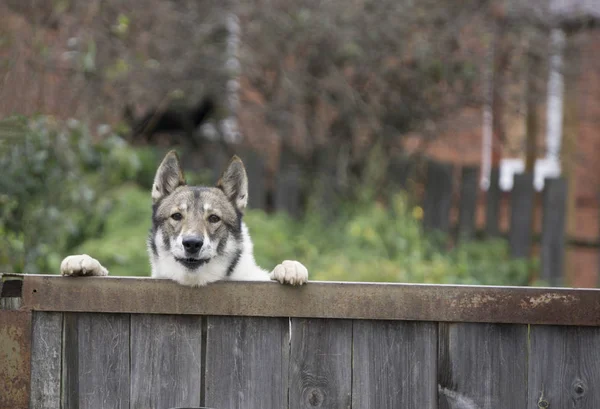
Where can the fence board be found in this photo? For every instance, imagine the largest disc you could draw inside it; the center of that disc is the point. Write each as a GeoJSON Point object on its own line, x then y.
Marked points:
{"type": "Point", "coordinates": [321, 364]}
{"type": "Point", "coordinates": [96, 361]}
{"type": "Point", "coordinates": [256, 170]}
{"type": "Point", "coordinates": [400, 169]}
{"type": "Point", "coordinates": [323, 181]}
{"type": "Point", "coordinates": [492, 205]}
{"type": "Point", "coordinates": [395, 365]}
{"type": "Point", "coordinates": [521, 216]}
{"type": "Point", "coordinates": [553, 230]}
{"type": "Point", "coordinates": [247, 363]}
{"type": "Point", "coordinates": [564, 367]}
{"type": "Point", "coordinates": [288, 184]}
{"type": "Point", "coordinates": [482, 366]}
{"type": "Point", "coordinates": [46, 357]}
{"type": "Point", "coordinates": [469, 188]}
{"type": "Point", "coordinates": [165, 361]}
{"type": "Point", "coordinates": [438, 196]}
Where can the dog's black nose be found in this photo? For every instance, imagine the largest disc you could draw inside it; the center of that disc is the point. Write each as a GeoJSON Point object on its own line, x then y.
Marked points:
{"type": "Point", "coordinates": [192, 244]}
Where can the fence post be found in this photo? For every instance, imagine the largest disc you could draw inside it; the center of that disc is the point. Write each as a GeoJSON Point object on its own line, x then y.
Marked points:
{"type": "Point", "coordinates": [438, 196]}
{"type": "Point", "coordinates": [255, 169]}
{"type": "Point", "coordinates": [492, 205]}
{"type": "Point", "coordinates": [323, 180]}
{"type": "Point", "coordinates": [553, 230]}
{"type": "Point", "coordinates": [521, 215]}
{"type": "Point", "coordinates": [288, 183]}
{"type": "Point", "coordinates": [468, 201]}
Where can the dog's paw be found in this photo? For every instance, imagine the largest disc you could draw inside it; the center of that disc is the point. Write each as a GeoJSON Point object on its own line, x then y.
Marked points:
{"type": "Point", "coordinates": [82, 265]}
{"type": "Point", "coordinates": [290, 272]}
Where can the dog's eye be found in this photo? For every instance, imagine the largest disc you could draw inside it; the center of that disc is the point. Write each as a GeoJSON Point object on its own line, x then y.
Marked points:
{"type": "Point", "coordinates": [213, 218]}
{"type": "Point", "coordinates": [176, 216]}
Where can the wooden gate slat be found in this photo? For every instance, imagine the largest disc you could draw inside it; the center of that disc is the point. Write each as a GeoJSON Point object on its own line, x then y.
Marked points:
{"type": "Point", "coordinates": [320, 364]}
{"type": "Point", "coordinates": [482, 366]}
{"type": "Point", "coordinates": [394, 365]}
{"type": "Point", "coordinates": [166, 356]}
{"type": "Point", "coordinates": [247, 363]}
{"type": "Point", "coordinates": [46, 357]}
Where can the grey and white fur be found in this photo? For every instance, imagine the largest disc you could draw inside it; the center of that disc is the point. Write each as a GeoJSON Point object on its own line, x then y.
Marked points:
{"type": "Point", "coordinates": [197, 235]}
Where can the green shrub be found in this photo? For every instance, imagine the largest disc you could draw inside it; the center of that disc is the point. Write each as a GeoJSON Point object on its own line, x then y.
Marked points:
{"type": "Point", "coordinates": [51, 189]}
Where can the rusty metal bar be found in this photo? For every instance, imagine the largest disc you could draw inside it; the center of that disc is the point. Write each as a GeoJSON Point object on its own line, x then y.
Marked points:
{"type": "Point", "coordinates": [15, 358]}
{"type": "Point", "coordinates": [519, 305]}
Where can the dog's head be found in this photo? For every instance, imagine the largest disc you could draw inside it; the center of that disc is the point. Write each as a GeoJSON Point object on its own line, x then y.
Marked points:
{"type": "Point", "coordinates": [193, 224]}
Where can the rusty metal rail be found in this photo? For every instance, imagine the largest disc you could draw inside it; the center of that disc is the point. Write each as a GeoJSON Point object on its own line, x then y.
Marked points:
{"type": "Point", "coordinates": [419, 302]}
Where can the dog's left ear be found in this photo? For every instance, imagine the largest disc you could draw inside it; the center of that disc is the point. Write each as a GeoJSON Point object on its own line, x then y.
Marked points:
{"type": "Point", "coordinates": [169, 177]}
{"type": "Point", "coordinates": [234, 183]}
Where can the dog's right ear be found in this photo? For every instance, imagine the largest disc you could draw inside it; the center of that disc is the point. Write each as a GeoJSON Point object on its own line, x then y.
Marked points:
{"type": "Point", "coordinates": [169, 177]}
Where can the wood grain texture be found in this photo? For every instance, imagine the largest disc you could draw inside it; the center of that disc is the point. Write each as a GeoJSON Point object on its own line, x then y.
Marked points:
{"type": "Point", "coordinates": [469, 189]}
{"type": "Point", "coordinates": [46, 358]}
{"type": "Point", "coordinates": [552, 253]}
{"type": "Point", "coordinates": [96, 361]}
{"type": "Point", "coordinates": [482, 366]}
{"type": "Point", "coordinates": [394, 365]}
{"type": "Point", "coordinates": [564, 367]}
{"type": "Point", "coordinates": [321, 364]}
{"type": "Point", "coordinates": [521, 216]}
{"type": "Point", "coordinates": [390, 301]}
{"type": "Point", "coordinates": [165, 361]}
{"type": "Point", "coordinates": [247, 363]}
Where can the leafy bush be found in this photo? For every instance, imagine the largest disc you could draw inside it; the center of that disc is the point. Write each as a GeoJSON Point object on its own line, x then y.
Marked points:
{"type": "Point", "coordinates": [50, 199]}
{"type": "Point", "coordinates": [375, 243]}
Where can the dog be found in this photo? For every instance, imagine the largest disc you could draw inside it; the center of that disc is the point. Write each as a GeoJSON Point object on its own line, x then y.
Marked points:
{"type": "Point", "coordinates": [198, 235]}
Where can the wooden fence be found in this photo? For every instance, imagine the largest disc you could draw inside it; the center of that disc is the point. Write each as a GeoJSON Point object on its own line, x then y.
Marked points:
{"type": "Point", "coordinates": [125, 343]}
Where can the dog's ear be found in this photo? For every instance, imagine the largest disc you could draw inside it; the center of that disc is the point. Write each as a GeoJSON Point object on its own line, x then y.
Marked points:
{"type": "Point", "coordinates": [169, 177]}
{"type": "Point", "coordinates": [234, 183]}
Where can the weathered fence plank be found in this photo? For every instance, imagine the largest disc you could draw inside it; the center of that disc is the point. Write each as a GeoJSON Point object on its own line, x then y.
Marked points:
{"type": "Point", "coordinates": [438, 196]}
{"type": "Point", "coordinates": [96, 361]}
{"type": "Point", "coordinates": [492, 205]}
{"type": "Point", "coordinates": [521, 216]}
{"type": "Point", "coordinates": [247, 363]}
{"type": "Point", "coordinates": [395, 365]}
{"type": "Point", "coordinates": [323, 181]}
{"type": "Point", "coordinates": [400, 169]}
{"type": "Point", "coordinates": [321, 364]}
{"type": "Point", "coordinates": [166, 358]}
{"type": "Point", "coordinates": [46, 358]}
{"type": "Point", "coordinates": [469, 188]}
{"type": "Point", "coordinates": [482, 366]}
{"type": "Point", "coordinates": [288, 184]}
{"type": "Point", "coordinates": [392, 301]}
{"type": "Point", "coordinates": [553, 230]}
{"type": "Point", "coordinates": [564, 367]}
{"type": "Point", "coordinates": [256, 170]}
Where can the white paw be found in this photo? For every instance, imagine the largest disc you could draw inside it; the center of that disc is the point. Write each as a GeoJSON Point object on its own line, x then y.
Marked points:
{"type": "Point", "coordinates": [290, 272]}
{"type": "Point", "coordinates": [82, 265]}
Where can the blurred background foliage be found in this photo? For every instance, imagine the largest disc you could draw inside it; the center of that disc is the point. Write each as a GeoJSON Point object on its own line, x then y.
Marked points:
{"type": "Point", "coordinates": [61, 194]}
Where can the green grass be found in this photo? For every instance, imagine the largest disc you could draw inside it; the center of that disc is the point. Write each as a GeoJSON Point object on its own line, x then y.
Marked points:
{"type": "Point", "coordinates": [371, 243]}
